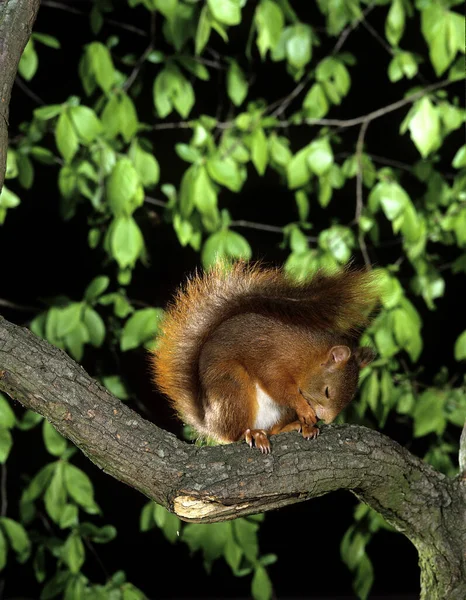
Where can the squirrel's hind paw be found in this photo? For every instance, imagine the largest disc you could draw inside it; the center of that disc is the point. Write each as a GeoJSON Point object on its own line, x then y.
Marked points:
{"type": "Point", "coordinates": [257, 438]}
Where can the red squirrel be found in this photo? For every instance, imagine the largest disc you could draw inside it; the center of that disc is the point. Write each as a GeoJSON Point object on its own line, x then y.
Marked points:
{"type": "Point", "coordinates": [246, 352]}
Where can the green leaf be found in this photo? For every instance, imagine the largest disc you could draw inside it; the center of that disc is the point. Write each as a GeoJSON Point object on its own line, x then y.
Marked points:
{"type": "Point", "coordinates": [47, 40]}
{"type": "Point", "coordinates": [146, 165]}
{"type": "Point", "coordinates": [101, 64]}
{"type": "Point", "coordinates": [74, 341]}
{"type": "Point", "coordinates": [320, 156]}
{"type": "Point", "coordinates": [38, 483]}
{"type": "Point", "coordinates": [246, 537]}
{"type": "Point", "coordinates": [55, 443]}
{"type": "Point", "coordinates": [7, 416]}
{"type": "Point", "coordinates": [460, 347]}
{"type": "Point", "coordinates": [55, 494]}
{"type": "Point", "coordinates": [172, 90]}
{"type": "Point", "coordinates": [96, 288]}
{"type": "Point", "coordinates": [237, 86]}
{"type": "Point", "coordinates": [67, 319]}
{"type": "Point", "coordinates": [29, 420]}
{"type": "Point", "coordinates": [261, 586]}
{"type": "Point", "coordinates": [302, 202]}
{"type": "Point", "coordinates": [225, 171]}
{"type": "Point", "coordinates": [66, 137]}
{"type": "Point", "coordinates": [395, 23]}
{"type": "Point", "coordinates": [204, 196]}
{"type": "Point", "coordinates": [459, 160]}
{"type": "Point", "coordinates": [26, 171]}
{"type": "Point", "coordinates": [55, 586]}
{"type": "Point", "coordinates": [364, 578]}
{"type": "Point", "coordinates": [225, 244]}
{"type": "Point", "coordinates": [6, 442]}
{"type": "Point", "coordinates": [297, 171]}
{"type": "Point", "coordinates": [407, 333]}
{"type": "Point", "coordinates": [203, 30]}
{"type": "Point", "coordinates": [279, 150]}
{"type": "Point", "coordinates": [402, 65]}
{"type": "Point", "coordinates": [315, 103]}
{"type": "Point", "coordinates": [225, 11]}
{"type": "Point", "coordinates": [236, 246]}
{"type": "Point", "coordinates": [126, 241]}
{"type": "Point", "coordinates": [85, 122]}
{"type": "Point", "coordinates": [73, 553]}
{"type": "Point", "coordinates": [299, 45]}
{"type": "Point", "coordinates": [43, 113]}
{"type": "Point", "coordinates": [233, 555]}
{"type": "Point", "coordinates": [3, 550]}
{"type": "Point", "coordinates": [188, 153]}
{"type": "Point", "coordinates": [429, 415]}
{"type": "Point", "coordinates": [29, 61]}
{"type": "Point", "coordinates": [338, 241]}
{"type": "Point", "coordinates": [99, 535]}
{"type": "Point", "coordinates": [211, 539]}
{"type": "Point", "coordinates": [79, 487]}
{"type": "Point", "coordinates": [69, 516]}
{"type": "Point", "coordinates": [259, 150]}
{"type": "Point", "coordinates": [95, 326]}
{"type": "Point", "coordinates": [116, 386]}
{"type": "Point", "coordinates": [122, 186]}
{"type": "Point", "coordinates": [169, 523]}
{"type": "Point", "coordinates": [146, 520]}
{"type": "Point", "coordinates": [444, 32]}
{"type": "Point", "coordinates": [18, 538]}
{"type": "Point", "coordinates": [424, 127]}
{"type": "Point", "coordinates": [269, 21]}
{"type": "Point", "coordinates": [140, 328]}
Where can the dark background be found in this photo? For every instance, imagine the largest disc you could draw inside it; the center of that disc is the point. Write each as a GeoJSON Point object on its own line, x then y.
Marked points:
{"type": "Point", "coordinates": [44, 256]}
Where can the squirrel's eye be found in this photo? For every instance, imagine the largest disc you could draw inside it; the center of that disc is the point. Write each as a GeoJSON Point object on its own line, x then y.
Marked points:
{"type": "Point", "coordinates": [326, 392]}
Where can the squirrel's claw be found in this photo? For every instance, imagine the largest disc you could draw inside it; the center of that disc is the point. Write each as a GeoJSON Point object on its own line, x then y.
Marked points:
{"type": "Point", "coordinates": [258, 438]}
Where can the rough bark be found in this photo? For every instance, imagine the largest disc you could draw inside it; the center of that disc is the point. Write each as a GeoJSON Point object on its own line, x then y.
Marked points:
{"type": "Point", "coordinates": [217, 483]}
{"type": "Point", "coordinates": [16, 20]}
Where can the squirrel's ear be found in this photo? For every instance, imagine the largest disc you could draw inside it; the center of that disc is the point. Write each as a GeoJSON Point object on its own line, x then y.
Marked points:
{"type": "Point", "coordinates": [364, 356]}
{"type": "Point", "coordinates": [339, 355]}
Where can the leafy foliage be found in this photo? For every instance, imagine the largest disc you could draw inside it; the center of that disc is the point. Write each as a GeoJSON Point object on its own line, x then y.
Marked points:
{"type": "Point", "coordinates": [99, 145]}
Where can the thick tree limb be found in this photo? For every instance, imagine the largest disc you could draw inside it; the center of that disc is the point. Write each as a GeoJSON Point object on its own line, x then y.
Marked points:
{"type": "Point", "coordinates": [16, 20]}
{"type": "Point", "coordinates": [217, 483]}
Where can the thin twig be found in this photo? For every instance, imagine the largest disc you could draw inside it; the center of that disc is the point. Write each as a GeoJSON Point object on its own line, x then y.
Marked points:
{"type": "Point", "coordinates": [174, 125]}
{"type": "Point", "coordinates": [155, 201]}
{"type": "Point", "coordinates": [380, 112]}
{"type": "Point", "coordinates": [76, 11]}
{"type": "Point", "coordinates": [359, 198]}
{"type": "Point", "coordinates": [286, 101]}
{"type": "Point", "coordinates": [379, 38]}
{"type": "Point", "coordinates": [20, 307]}
{"type": "Point", "coordinates": [142, 59]}
{"type": "Point", "coordinates": [24, 88]}
{"type": "Point", "coordinates": [264, 227]}
{"type": "Point", "coordinates": [63, 6]}
{"type": "Point", "coordinates": [351, 27]}
{"type": "Point", "coordinates": [342, 123]}
{"type": "Point", "coordinates": [96, 556]}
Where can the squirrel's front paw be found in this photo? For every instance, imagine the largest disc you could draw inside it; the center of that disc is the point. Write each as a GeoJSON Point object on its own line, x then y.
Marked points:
{"type": "Point", "coordinates": [307, 416]}
{"type": "Point", "coordinates": [309, 431]}
{"type": "Point", "coordinates": [258, 438]}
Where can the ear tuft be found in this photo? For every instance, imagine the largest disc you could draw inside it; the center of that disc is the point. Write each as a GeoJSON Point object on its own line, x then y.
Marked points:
{"type": "Point", "coordinates": [364, 356]}
{"type": "Point", "coordinates": [339, 354]}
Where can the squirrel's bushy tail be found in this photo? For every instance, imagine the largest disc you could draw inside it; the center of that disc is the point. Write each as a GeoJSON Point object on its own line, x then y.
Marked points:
{"type": "Point", "coordinates": [339, 302]}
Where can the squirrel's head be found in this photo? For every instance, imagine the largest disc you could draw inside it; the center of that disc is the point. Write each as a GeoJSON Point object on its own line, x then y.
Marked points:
{"type": "Point", "coordinates": [333, 384]}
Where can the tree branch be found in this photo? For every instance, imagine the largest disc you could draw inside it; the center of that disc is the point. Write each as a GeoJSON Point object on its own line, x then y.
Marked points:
{"type": "Point", "coordinates": [16, 20]}
{"type": "Point", "coordinates": [211, 484]}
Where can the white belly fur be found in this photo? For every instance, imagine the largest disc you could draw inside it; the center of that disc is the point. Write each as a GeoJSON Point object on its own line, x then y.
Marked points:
{"type": "Point", "coordinates": [268, 411]}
